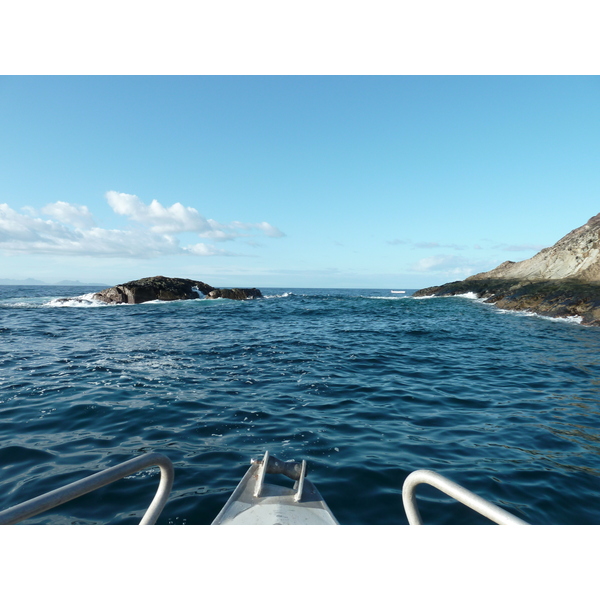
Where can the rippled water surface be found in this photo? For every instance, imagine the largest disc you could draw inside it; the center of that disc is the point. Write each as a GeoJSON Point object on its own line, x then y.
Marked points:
{"type": "Point", "coordinates": [365, 385]}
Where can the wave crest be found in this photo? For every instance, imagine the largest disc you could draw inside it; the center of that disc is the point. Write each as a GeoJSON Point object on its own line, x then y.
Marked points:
{"type": "Point", "coordinates": [83, 301]}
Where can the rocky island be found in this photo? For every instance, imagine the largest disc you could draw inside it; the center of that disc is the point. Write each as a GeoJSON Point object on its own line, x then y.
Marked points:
{"type": "Point", "coordinates": [169, 288]}
{"type": "Point", "coordinates": [560, 281]}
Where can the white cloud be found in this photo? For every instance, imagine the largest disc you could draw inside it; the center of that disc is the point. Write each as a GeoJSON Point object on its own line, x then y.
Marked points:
{"type": "Point", "coordinates": [206, 250]}
{"type": "Point", "coordinates": [72, 230]}
{"type": "Point", "coordinates": [449, 265]}
{"type": "Point", "coordinates": [141, 244]}
{"type": "Point", "coordinates": [24, 234]}
{"type": "Point", "coordinates": [24, 228]}
{"type": "Point", "coordinates": [269, 229]}
{"type": "Point", "coordinates": [175, 219]}
{"type": "Point", "coordinates": [179, 219]}
{"type": "Point", "coordinates": [79, 216]}
{"type": "Point", "coordinates": [234, 227]}
{"type": "Point", "coordinates": [218, 235]}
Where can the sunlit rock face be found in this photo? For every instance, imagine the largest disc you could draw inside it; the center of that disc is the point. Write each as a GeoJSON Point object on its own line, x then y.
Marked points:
{"type": "Point", "coordinates": [577, 255]}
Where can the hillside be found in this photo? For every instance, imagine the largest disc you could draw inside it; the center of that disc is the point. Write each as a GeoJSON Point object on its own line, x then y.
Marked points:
{"type": "Point", "coordinates": [560, 281]}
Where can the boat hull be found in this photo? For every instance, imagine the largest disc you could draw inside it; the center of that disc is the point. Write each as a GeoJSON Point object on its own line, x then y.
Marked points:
{"type": "Point", "coordinates": [276, 504]}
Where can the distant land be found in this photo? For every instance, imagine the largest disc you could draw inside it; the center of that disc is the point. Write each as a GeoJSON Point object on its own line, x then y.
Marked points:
{"type": "Point", "coordinates": [31, 281]}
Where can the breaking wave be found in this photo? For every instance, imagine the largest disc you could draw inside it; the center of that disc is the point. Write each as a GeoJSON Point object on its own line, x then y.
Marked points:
{"type": "Point", "coordinates": [83, 301]}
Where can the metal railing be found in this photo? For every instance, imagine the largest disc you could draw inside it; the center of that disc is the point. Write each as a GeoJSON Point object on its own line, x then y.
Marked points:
{"type": "Point", "coordinates": [45, 502]}
{"type": "Point", "coordinates": [473, 501]}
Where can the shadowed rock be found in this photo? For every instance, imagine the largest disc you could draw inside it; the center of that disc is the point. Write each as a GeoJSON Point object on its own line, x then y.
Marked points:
{"type": "Point", "coordinates": [166, 289]}
{"type": "Point", "coordinates": [236, 293]}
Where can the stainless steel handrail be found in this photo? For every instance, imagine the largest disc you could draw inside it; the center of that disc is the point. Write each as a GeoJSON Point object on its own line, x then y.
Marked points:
{"type": "Point", "coordinates": [45, 502]}
{"type": "Point", "coordinates": [463, 495]}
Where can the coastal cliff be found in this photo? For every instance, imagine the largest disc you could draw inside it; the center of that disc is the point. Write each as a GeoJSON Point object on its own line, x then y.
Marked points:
{"type": "Point", "coordinates": [169, 288]}
{"type": "Point", "coordinates": [560, 281]}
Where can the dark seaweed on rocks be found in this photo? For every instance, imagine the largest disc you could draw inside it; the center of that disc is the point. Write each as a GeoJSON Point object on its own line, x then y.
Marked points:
{"type": "Point", "coordinates": [553, 298]}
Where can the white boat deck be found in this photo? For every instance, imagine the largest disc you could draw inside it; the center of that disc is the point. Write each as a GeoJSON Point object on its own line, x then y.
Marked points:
{"type": "Point", "coordinates": [255, 502]}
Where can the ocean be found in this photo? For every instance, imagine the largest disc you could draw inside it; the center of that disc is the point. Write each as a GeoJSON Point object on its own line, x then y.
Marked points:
{"type": "Point", "coordinates": [366, 385]}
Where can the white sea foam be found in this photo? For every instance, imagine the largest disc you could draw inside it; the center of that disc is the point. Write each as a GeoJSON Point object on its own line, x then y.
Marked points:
{"type": "Point", "coordinates": [527, 313]}
{"type": "Point", "coordinates": [517, 313]}
{"type": "Point", "coordinates": [572, 319]}
{"type": "Point", "coordinates": [18, 304]}
{"type": "Point", "coordinates": [469, 296]}
{"type": "Point", "coordinates": [284, 295]}
{"type": "Point", "coordinates": [83, 301]}
{"type": "Point", "coordinates": [88, 301]}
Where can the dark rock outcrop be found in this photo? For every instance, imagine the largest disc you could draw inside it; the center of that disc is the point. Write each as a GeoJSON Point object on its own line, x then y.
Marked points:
{"type": "Point", "coordinates": [236, 293]}
{"type": "Point", "coordinates": [561, 281]}
{"type": "Point", "coordinates": [551, 298]}
{"type": "Point", "coordinates": [167, 288]}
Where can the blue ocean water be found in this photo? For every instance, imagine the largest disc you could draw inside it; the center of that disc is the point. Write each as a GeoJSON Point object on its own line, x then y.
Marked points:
{"type": "Point", "coordinates": [365, 385]}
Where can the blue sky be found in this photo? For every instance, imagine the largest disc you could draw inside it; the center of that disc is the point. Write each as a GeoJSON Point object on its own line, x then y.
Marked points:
{"type": "Point", "coordinates": [291, 181]}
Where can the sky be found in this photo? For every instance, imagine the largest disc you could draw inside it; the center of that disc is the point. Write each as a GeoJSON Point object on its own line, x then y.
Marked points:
{"type": "Point", "coordinates": [291, 181]}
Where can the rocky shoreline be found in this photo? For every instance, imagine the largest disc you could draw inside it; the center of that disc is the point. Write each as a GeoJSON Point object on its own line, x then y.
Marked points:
{"type": "Point", "coordinates": [551, 298]}
{"type": "Point", "coordinates": [560, 281]}
{"type": "Point", "coordinates": [168, 289]}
